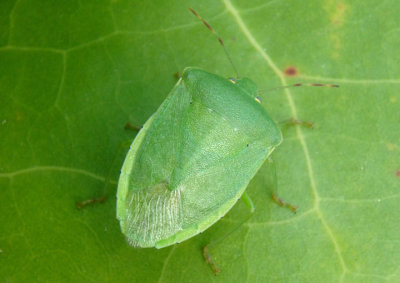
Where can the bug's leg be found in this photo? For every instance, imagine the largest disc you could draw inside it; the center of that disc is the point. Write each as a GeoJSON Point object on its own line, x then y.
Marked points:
{"type": "Point", "coordinates": [209, 261]}
{"type": "Point", "coordinates": [177, 75]}
{"type": "Point", "coordinates": [122, 147]}
{"type": "Point", "coordinates": [293, 122]}
{"type": "Point", "coordinates": [275, 198]}
{"type": "Point", "coordinates": [107, 181]}
{"type": "Point", "coordinates": [283, 203]}
{"type": "Point", "coordinates": [84, 203]}
{"type": "Point", "coordinates": [249, 203]}
{"type": "Point", "coordinates": [129, 126]}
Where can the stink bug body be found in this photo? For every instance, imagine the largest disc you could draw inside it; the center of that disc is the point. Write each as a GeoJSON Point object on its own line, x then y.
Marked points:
{"type": "Point", "coordinates": [193, 159]}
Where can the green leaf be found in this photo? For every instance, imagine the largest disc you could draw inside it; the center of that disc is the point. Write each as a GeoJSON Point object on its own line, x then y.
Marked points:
{"type": "Point", "coordinates": [72, 73]}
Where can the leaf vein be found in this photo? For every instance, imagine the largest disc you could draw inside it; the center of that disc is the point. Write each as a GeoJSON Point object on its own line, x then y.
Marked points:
{"type": "Point", "coordinates": [53, 168]}
{"type": "Point", "coordinates": [167, 259]}
{"type": "Point", "coordinates": [299, 133]}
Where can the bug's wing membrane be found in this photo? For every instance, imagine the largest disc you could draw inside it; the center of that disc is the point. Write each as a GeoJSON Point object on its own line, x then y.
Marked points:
{"type": "Point", "coordinates": [153, 215]}
{"type": "Point", "coordinates": [148, 209]}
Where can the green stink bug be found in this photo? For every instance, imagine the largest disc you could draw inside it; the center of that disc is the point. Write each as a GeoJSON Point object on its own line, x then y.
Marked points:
{"type": "Point", "coordinates": [193, 158]}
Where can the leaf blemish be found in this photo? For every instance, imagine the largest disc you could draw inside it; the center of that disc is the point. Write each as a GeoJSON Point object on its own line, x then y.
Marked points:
{"type": "Point", "coordinates": [290, 71]}
{"type": "Point", "coordinates": [398, 173]}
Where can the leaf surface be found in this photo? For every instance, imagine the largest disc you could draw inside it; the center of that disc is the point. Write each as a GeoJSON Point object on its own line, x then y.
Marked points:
{"type": "Point", "coordinates": [73, 73]}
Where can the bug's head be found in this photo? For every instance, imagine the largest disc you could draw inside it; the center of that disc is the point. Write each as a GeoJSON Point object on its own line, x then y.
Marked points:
{"type": "Point", "coordinates": [247, 85]}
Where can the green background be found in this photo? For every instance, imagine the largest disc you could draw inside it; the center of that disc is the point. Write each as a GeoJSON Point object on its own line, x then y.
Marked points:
{"type": "Point", "coordinates": [72, 73]}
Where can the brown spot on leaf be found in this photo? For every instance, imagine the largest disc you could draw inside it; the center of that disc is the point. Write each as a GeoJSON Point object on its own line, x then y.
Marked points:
{"type": "Point", "coordinates": [398, 173]}
{"type": "Point", "coordinates": [290, 71]}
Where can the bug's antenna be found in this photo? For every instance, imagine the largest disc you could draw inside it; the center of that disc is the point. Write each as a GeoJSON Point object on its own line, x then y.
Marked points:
{"type": "Point", "coordinates": [219, 39]}
{"type": "Point", "coordinates": [298, 84]}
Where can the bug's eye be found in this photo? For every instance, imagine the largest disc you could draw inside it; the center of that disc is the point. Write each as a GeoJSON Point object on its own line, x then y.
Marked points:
{"type": "Point", "coordinates": [258, 99]}
{"type": "Point", "coordinates": [232, 80]}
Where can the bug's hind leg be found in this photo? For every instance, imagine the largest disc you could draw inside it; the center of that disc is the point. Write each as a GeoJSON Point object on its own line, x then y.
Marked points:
{"type": "Point", "coordinates": [209, 261]}
{"type": "Point", "coordinates": [122, 147]}
{"type": "Point", "coordinates": [275, 198]}
{"type": "Point", "coordinates": [283, 203]}
{"type": "Point", "coordinates": [91, 201]}
{"type": "Point", "coordinates": [206, 253]}
{"type": "Point", "coordinates": [107, 181]}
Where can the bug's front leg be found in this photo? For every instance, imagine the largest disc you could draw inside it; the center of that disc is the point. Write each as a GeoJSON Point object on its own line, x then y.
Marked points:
{"type": "Point", "coordinates": [292, 122]}
{"type": "Point", "coordinates": [130, 126]}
